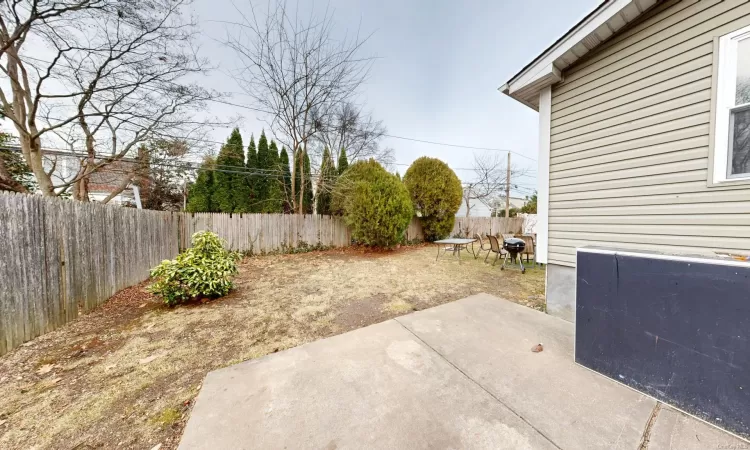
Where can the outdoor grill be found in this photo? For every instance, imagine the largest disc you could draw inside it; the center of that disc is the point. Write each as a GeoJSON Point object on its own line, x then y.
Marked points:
{"type": "Point", "coordinates": [513, 247]}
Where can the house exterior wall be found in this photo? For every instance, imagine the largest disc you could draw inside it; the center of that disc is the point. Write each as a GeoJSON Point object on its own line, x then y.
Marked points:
{"type": "Point", "coordinates": [561, 292]}
{"type": "Point", "coordinates": [630, 140]}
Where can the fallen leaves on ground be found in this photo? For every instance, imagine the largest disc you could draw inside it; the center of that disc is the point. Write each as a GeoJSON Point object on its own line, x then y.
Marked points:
{"type": "Point", "coordinates": [125, 375]}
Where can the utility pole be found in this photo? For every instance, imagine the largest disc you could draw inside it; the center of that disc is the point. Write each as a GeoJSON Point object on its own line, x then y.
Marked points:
{"type": "Point", "coordinates": [507, 190]}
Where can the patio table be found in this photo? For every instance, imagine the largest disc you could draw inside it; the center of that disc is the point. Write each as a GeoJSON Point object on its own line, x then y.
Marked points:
{"type": "Point", "coordinates": [455, 246]}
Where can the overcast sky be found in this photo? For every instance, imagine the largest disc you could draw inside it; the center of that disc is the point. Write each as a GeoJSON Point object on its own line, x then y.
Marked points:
{"type": "Point", "coordinates": [438, 69]}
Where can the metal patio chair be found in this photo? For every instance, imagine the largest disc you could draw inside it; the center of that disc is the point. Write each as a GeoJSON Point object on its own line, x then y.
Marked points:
{"type": "Point", "coordinates": [483, 247]}
{"type": "Point", "coordinates": [496, 248]}
{"type": "Point", "coordinates": [530, 250]}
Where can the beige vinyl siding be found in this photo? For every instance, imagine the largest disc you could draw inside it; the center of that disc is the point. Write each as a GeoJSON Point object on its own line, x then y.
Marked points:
{"type": "Point", "coordinates": [630, 141]}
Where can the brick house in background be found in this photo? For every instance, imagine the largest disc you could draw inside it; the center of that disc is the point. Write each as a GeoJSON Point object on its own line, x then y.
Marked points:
{"type": "Point", "coordinates": [102, 183]}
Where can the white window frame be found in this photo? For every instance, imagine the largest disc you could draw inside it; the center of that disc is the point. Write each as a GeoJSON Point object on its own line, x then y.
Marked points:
{"type": "Point", "coordinates": [726, 89]}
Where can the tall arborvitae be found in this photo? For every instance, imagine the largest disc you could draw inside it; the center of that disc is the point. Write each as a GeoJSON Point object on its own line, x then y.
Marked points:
{"type": "Point", "coordinates": [231, 189]}
{"type": "Point", "coordinates": [251, 178]}
{"type": "Point", "coordinates": [275, 181]}
{"type": "Point", "coordinates": [307, 195]}
{"type": "Point", "coordinates": [343, 163]}
{"type": "Point", "coordinates": [287, 181]}
{"type": "Point", "coordinates": [326, 180]}
{"type": "Point", "coordinates": [199, 195]}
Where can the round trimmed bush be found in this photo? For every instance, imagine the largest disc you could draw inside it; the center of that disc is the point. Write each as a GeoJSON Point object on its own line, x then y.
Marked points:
{"type": "Point", "coordinates": [375, 204]}
{"type": "Point", "coordinates": [435, 192]}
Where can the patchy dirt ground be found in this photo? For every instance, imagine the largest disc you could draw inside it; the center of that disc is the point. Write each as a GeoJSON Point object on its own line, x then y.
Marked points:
{"type": "Point", "coordinates": [125, 375]}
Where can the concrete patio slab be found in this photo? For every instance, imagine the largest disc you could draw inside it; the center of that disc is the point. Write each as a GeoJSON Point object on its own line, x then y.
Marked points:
{"type": "Point", "coordinates": [675, 430]}
{"type": "Point", "coordinates": [490, 340]}
{"type": "Point", "coordinates": [461, 375]}
{"type": "Point", "coordinates": [377, 387]}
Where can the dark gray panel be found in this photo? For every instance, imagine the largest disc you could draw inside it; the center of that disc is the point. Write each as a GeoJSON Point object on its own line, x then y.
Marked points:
{"type": "Point", "coordinates": [677, 330]}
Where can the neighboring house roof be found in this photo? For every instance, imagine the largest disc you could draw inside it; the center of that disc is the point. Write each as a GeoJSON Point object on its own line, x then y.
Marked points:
{"type": "Point", "coordinates": [598, 26]}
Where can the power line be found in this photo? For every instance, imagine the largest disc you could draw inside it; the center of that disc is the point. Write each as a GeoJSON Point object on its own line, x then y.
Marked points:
{"type": "Point", "coordinates": [218, 167]}
{"type": "Point", "coordinates": [459, 146]}
{"type": "Point", "coordinates": [529, 175]}
{"type": "Point", "coordinates": [255, 172]}
{"type": "Point", "coordinates": [250, 108]}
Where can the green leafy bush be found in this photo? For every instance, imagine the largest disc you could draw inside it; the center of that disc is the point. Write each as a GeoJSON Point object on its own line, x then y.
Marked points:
{"type": "Point", "coordinates": [435, 192]}
{"type": "Point", "coordinates": [375, 204]}
{"type": "Point", "coordinates": [361, 171]}
{"type": "Point", "coordinates": [203, 270]}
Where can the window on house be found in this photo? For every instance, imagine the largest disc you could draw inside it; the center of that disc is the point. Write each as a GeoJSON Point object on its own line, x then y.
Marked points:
{"type": "Point", "coordinates": [732, 132]}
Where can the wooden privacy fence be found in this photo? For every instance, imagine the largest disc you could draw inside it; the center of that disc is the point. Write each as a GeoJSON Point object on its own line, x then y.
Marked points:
{"type": "Point", "coordinates": [60, 258]}
{"type": "Point", "coordinates": [464, 227]}
{"type": "Point", "coordinates": [266, 233]}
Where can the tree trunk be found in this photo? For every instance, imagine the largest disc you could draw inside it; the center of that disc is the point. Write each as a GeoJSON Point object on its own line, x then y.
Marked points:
{"type": "Point", "coordinates": [301, 206]}
{"type": "Point", "coordinates": [32, 153]}
{"type": "Point", "coordinates": [293, 172]}
{"type": "Point", "coordinates": [468, 211]}
{"type": "Point", "coordinates": [81, 185]}
{"type": "Point", "coordinates": [26, 126]}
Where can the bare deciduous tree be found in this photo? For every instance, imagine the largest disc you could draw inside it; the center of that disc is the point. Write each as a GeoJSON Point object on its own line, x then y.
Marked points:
{"type": "Point", "coordinates": [298, 73]}
{"type": "Point", "coordinates": [100, 77]}
{"type": "Point", "coordinates": [355, 130]}
{"type": "Point", "coordinates": [490, 178]}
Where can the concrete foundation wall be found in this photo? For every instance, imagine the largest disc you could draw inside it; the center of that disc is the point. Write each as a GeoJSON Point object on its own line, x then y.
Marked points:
{"type": "Point", "coordinates": [561, 292]}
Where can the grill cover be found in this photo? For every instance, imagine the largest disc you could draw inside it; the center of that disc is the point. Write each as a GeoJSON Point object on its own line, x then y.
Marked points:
{"type": "Point", "coordinates": [514, 245]}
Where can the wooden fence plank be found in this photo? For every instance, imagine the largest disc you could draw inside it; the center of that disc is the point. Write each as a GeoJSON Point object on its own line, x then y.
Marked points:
{"type": "Point", "coordinates": [59, 254]}
{"type": "Point", "coordinates": [6, 265]}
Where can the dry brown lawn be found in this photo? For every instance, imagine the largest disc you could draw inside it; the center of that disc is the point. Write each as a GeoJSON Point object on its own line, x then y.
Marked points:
{"type": "Point", "coordinates": [125, 375]}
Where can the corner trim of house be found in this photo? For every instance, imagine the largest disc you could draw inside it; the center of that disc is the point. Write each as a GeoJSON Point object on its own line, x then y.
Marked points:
{"type": "Point", "coordinates": [542, 224]}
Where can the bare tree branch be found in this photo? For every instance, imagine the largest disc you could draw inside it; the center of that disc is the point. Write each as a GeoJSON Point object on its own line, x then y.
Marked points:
{"type": "Point", "coordinates": [351, 128]}
{"type": "Point", "coordinates": [298, 72]}
{"type": "Point", "coordinates": [112, 77]}
{"type": "Point", "coordinates": [489, 180]}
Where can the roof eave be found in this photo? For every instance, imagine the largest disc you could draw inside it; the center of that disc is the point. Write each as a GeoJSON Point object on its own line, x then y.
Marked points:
{"type": "Point", "coordinates": [598, 26]}
{"type": "Point", "coordinates": [505, 89]}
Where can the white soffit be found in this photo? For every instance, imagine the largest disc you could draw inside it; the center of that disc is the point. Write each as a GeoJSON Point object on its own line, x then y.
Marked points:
{"type": "Point", "coordinates": [598, 26]}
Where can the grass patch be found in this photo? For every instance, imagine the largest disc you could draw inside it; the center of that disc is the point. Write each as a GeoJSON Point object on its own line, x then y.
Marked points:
{"type": "Point", "coordinates": [45, 361]}
{"type": "Point", "coordinates": [107, 398]}
{"type": "Point", "coordinates": [398, 306]}
{"type": "Point", "coordinates": [167, 417]}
